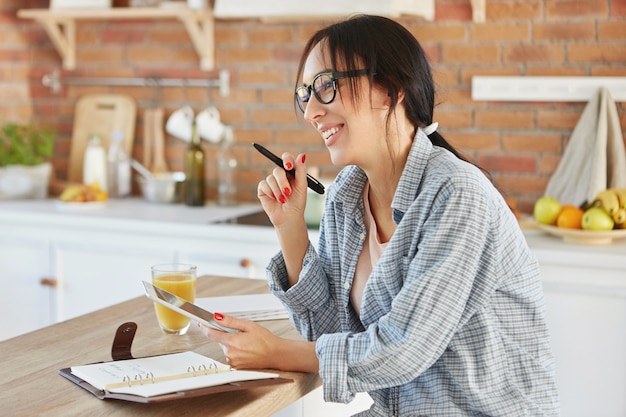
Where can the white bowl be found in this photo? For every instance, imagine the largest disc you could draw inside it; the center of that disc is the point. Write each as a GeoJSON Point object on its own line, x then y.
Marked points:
{"type": "Point", "coordinates": [163, 188]}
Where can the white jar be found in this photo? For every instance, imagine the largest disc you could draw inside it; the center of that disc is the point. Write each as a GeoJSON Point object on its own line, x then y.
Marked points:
{"type": "Point", "coordinates": [95, 163]}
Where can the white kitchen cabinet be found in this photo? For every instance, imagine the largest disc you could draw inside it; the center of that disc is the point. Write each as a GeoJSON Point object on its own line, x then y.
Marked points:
{"type": "Point", "coordinates": [27, 304]}
{"type": "Point", "coordinates": [93, 273]}
{"type": "Point", "coordinates": [59, 265]}
{"type": "Point", "coordinates": [585, 293]}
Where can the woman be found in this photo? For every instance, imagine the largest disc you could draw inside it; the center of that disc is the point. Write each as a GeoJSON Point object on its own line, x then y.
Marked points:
{"type": "Point", "coordinates": [422, 292]}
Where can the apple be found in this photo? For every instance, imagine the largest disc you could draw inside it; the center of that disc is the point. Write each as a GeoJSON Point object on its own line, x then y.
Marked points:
{"type": "Point", "coordinates": [596, 218]}
{"type": "Point", "coordinates": [546, 210]}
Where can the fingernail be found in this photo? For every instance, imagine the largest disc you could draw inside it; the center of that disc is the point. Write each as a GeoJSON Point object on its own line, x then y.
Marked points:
{"type": "Point", "coordinates": [282, 199]}
{"type": "Point", "coordinates": [218, 316]}
{"type": "Point", "coordinates": [287, 191]}
{"type": "Point", "coordinates": [303, 157]}
{"type": "Point", "coordinates": [288, 166]}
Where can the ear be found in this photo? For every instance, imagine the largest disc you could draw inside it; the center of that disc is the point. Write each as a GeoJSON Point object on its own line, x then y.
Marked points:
{"type": "Point", "coordinates": [400, 98]}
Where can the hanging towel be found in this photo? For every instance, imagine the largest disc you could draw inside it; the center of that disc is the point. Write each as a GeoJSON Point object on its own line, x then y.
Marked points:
{"type": "Point", "coordinates": [594, 159]}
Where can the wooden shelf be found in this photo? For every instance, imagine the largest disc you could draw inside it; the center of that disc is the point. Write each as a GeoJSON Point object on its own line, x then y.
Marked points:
{"type": "Point", "coordinates": [61, 27]}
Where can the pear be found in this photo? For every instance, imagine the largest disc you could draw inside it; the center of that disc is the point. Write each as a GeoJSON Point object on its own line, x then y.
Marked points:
{"type": "Point", "coordinates": [596, 218]}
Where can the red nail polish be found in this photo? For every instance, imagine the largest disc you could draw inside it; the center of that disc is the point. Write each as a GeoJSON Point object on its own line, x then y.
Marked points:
{"type": "Point", "coordinates": [303, 157]}
{"type": "Point", "coordinates": [287, 191]}
{"type": "Point", "coordinates": [218, 316]}
{"type": "Point", "coordinates": [288, 166]}
{"type": "Point", "coordinates": [282, 199]}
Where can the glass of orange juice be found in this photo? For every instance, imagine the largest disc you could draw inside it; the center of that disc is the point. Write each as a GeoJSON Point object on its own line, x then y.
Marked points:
{"type": "Point", "coordinates": [179, 279]}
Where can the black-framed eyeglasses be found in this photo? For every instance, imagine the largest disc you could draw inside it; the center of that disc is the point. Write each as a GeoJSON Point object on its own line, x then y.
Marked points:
{"type": "Point", "coordinates": [324, 87]}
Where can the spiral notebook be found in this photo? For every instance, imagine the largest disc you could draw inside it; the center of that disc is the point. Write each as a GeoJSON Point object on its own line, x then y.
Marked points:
{"type": "Point", "coordinates": [165, 377]}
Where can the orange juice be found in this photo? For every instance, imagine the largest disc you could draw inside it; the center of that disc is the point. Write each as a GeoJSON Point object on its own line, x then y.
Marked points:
{"type": "Point", "coordinates": [183, 285]}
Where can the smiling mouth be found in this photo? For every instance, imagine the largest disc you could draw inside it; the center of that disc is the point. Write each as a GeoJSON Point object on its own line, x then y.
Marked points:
{"type": "Point", "coordinates": [328, 133]}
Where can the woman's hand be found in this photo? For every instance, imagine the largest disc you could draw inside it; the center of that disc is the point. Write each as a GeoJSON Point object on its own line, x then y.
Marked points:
{"type": "Point", "coordinates": [251, 348]}
{"type": "Point", "coordinates": [282, 196]}
{"type": "Point", "coordinates": [255, 347]}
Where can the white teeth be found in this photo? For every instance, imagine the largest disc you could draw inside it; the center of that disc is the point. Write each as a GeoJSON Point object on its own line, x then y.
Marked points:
{"type": "Point", "coordinates": [327, 133]}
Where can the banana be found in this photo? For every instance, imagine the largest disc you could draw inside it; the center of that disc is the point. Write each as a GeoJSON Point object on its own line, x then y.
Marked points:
{"type": "Point", "coordinates": [621, 195]}
{"type": "Point", "coordinates": [620, 217]}
{"type": "Point", "coordinates": [608, 200]}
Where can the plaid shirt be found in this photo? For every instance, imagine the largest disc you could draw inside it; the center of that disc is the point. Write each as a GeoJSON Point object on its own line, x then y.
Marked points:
{"type": "Point", "coordinates": [452, 319]}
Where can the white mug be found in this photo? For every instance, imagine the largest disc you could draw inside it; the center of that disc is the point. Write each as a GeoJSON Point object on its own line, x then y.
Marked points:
{"type": "Point", "coordinates": [209, 125]}
{"type": "Point", "coordinates": [180, 123]}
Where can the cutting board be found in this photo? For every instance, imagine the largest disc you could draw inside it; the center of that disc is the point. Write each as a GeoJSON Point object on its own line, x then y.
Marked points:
{"type": "Point", "coordinates": [101, 114]}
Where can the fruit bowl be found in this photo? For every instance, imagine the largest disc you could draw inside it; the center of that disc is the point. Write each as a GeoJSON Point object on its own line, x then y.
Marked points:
{"type": "Point", "coordinates": [588, 237]}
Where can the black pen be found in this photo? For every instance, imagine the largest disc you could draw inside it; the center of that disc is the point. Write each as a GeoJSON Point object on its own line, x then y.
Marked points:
{"type": "Point", "coordinates": [313, 184]}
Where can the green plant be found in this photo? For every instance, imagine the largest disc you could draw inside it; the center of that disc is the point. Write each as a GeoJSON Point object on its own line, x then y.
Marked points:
{"type": "Point", "coordinates": [25, 144]}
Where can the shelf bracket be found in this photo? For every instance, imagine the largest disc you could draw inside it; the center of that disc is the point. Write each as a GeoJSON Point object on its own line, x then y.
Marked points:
{"type": "Point", "coordinates": [61, 27]}
{"type": "Point", "coordinates": [63, 36]}
{"type": "Point", "coordinates": [201, 32]}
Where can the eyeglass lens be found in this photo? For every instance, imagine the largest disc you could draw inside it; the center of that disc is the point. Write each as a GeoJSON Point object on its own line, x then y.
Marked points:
{"type": "Point", "coordinates": [323, 88]}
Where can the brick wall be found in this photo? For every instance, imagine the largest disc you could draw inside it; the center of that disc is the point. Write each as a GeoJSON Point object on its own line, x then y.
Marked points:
{"type": "Point", "coordinates": [520, 144]}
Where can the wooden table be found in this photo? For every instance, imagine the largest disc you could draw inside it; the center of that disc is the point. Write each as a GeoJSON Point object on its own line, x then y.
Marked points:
{"type": "Point", "coordinates": [30, 384]}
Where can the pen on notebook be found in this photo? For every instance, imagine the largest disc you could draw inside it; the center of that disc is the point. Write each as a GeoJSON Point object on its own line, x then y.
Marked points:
{"type": "Point", "coordinates": [313, 184]}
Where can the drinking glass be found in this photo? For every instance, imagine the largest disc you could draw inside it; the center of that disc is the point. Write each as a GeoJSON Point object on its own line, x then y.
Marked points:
{"type": "Point", "coordinates": [179, 279]}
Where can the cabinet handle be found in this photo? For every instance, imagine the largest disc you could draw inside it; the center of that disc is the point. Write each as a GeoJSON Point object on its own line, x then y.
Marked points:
{"type": "Point", "coordinates": [245, 263]}
{"type": "Point", "coordinates": [48, 282]}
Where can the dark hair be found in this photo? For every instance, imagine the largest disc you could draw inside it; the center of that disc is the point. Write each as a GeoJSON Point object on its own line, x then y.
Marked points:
{"type": "Point", "coordinates": [394, 58]}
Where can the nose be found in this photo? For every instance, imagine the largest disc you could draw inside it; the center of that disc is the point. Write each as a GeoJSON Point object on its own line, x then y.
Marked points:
{"type": "Point", "coordinates": [313, 110]}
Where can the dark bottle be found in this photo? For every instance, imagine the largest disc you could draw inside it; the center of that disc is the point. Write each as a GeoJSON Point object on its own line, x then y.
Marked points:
{"type": "Point", "coordinates": [194, 171]}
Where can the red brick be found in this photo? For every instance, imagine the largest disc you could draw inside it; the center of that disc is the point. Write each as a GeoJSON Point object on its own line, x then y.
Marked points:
{"type": "Point", "coordinates": [449, 119]}
{"type": "Point", "coordinates": [533, 53]}
{"type": "Point", "coordinates": [473, 141]}
{"type": "Point", "coordinates": [500, 32]}
{"type": "Point", "coordinates": [467, 73]}
{"type": "Point", "coordinates": [549, 163]}
{"type": "Point", "coordinates": [559, 9]}
{"type": "Point", "coordinates": [273, 117]}
{"type": "Point", "coordinates": [524, 142]}
{"type": "Point", "coordinates": [428, 33]}
{"type": "Point", "coordinates": [613, 30]}
{"type": "Point", "coordinates": [596, 53]}
{"type": "Point", "coordinates": [482, 54]}
{"type": "Point", "coordinates": [505, 119]}
{"type": "Point", "coordinates": [507, 163]}
{"type": "Point", "coordinates": [456, 97]}
{"type": "Point", "coordinates": [277, 96]}
{"type": "Point", "coordinates": [618, 8]}
{"type": "Point", "coordinates": [558, 119]}
{"type": "Point", "coordinates": [245, 55]}
{"type": "Point", "coordinates": [453, 11]}
{"type": "Point", "coordinates": [445, 77]}
{"type": "Point", "coordinates": [514, 10]}
{"type": "Point", "coordinates": [522, 184]}
{"type": "Point", "coordinates": [564, 31]}
{"type": "Point", "coordinates": [122, 36]}
{"type": "Point", "coordinates": [263, 76]}
{"type": "Point", "coordinates": [270, 34]}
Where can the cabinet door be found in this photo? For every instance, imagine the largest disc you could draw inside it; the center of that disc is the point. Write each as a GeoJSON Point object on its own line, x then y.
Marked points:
{"type": "Point", "coordinates": [96, 275]}
{"type": "Point", "coordinates": [24, 262]}
{"type": "Point", "coordinates": [586, 311]}
{"type": "Point", "coordinates": [230, 259]}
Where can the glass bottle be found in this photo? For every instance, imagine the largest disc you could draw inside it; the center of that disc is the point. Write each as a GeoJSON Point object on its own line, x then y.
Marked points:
{"type": "Point", "coordinates": [118, 167]}
{"type": "Point", "coordinates": [95, 163]}
{"type": "Point", "coordinates": [194, 171]}
{"type": "Point", "coordinates": [227, 164]}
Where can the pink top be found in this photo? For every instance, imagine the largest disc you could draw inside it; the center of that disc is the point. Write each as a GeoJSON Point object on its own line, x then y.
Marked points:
{"type": "Point", "coordinates": [372, 250]}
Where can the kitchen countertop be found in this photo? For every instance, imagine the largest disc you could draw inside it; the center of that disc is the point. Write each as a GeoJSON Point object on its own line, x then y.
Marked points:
{"type": "Point", "coordinates": [135, 215]}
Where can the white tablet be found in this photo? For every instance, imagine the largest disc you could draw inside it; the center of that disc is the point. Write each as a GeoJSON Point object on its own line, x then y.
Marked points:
{"type": "Point", "coordinates": [184, 307]}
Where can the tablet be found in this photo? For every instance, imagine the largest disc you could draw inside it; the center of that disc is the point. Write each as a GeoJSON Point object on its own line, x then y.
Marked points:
{"type": "Point", "coordinates": [184, 307]}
